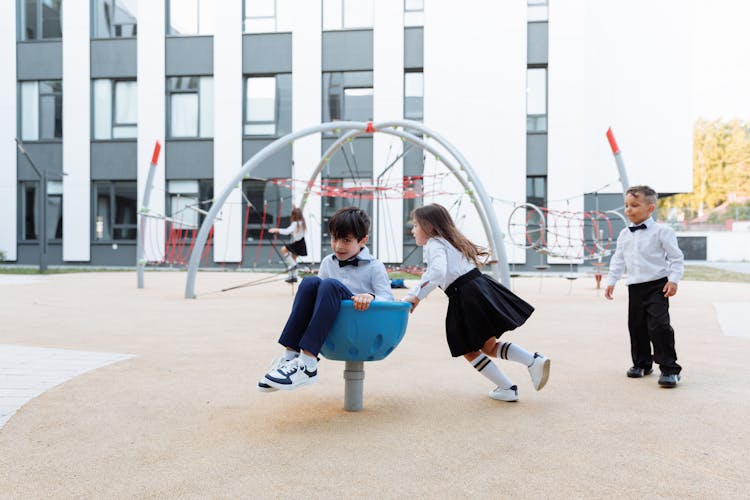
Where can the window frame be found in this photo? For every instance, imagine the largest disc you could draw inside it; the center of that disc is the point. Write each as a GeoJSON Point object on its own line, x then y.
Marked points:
{"type": "Point", "coordinates": [21, 22]}
{"type": "Point", "coordinates": [340, 24]}
{"type": "Point", "coordinates": [413, 17]}
{"type": "Point", "coordinates": [40, 111]}
{"type": "Point", "coordinates": [112, 110]}
{"type": "Point", "coordinates": [198, 5]}
{"type": "Point", "coordinates": [419, 71]}
{"type": "Point", "coordinates": [246, 18]}
{"type": "Point", "coordinates": [199, 114]}
{"type": "Point", "coordinates": [536, 117]}
{"type": "Point", "coordinates": [95, 5]}
{"type": "Point", "coordinates": [37, 214]}
{"type": "Point", "coordinates": [276, 104]}
{"type": "Point", "coordinates": [100, 186]}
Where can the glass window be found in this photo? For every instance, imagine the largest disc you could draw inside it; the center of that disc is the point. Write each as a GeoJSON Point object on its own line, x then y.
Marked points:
{"type": "Point", "coordinates": [413, 13]}
{"type": "Point", "coordinates": [115, 211]}
{"type": "Point", "coordinates": [346, 14]}
{"type": "Point", "coordinates": [270, 199]}
{"type": "Point", "coordinates": [536, 99]}
{"type": "Point", "coordinates": [260, 106]}
{"type": "Point", "coordinates": [413, 193]}
{"type": "Point", "coordinates": [538, 10]}
{"type": "Point", "coordinates": [191, 17]}
{"type": "Point", "coordinates": [115, 109]}
{"type": "Point", "coordinates": [31, 211]}
{"type": "Point", "coordinates": [40, 19]}
{"type": "Point", "coordinates": [114, 18]}
{"type": "Point", "coordinates": [414, 96]}
{"type": "Point", "coordinates": [190, 101]}
{"type": "Point", "coordinates": [41, 110]}
{"type": "Point", "coordinates": [260, 16]}
{"type": "Point", "coordinates": [347, 96]}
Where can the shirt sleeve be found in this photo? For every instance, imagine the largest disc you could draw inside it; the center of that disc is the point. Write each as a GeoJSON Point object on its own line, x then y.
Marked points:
{"type": "Point", "coordinates": [381, 283]}
{"type": "Point", "coordinates": [325, 267]}
{"type": "Point", "coordinates": [616, 263]}
{"type": "Point", "coordinates": [437, 268]}
{"type": "Point", "coordinates": [675, 258]}
{"type": "Point", "coordinates": [290, 229]}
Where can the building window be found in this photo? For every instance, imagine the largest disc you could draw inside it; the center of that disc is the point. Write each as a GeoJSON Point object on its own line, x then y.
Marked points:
{"type": "Point", "coordinates": [41, 110]}
{"type": "Point", "coordinates": [115, 109]}
{"type": "Point", "coordinates": [354, 196]}
{"type": "Point", "coordinates": [347, 96]}
{"type": "Point", "coordinates": [191, 17]}
{"type": "Point", "coordinates": [260, 16]}
{"type": "Point", "coordinates": [536, 99]}
{"type": "Point", "coordinates": [413, 198]}
{"type": "Point", "coordinates": [347, 14]}
{"type": "Point", "coordinates": [414, 96]}
{"type": "Point", "coordinates": [31, 211]}
{"type": "Point", "coordinates": [538, 10]}
{"type": "Point", "coordinates": [188, 202]}
{"type": "Point", "coordinates": [270, 206]}
{"type": "Point", "coordinates": [39, 19]}
{"type": "Point", "coordinates": [114, 18]}
{"type": "Point", "coordinates": [261, 109]}
{"type": "Point", "coordinates": [190, 101]}
{"type": "Point", "coordinates": [115, 211]}
{"type": "Point", "coordinates": [413, 13]}
{"type": "Point", "coordinates": [536, 190]}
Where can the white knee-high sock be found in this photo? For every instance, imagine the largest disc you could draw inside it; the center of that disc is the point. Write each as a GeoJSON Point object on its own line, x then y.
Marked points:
{"type": "Point", "coordinates": [513, 352]}
{"type": "Point", "coordinates": [288, 260]}
{"type": "Point", "coordinates": [486, 367]}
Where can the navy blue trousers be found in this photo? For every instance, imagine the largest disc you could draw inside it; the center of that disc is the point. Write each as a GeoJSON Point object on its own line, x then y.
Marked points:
{"type": "Point", "coordinates": [648, 323]}
{"type": "Point", "coordinates": [315, 308]}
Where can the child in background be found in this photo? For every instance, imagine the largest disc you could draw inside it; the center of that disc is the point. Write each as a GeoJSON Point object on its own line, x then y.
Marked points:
{"type": "Point", "coordinates": [480, 309]}
{"type": "Point", "coordinates": [654, 263]}
{"type": "Point", "coordinates": [296, 245]}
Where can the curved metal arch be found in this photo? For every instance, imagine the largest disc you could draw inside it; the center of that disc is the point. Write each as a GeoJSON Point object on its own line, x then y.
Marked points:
{"type": "Point", "coordinates": [484, 208]}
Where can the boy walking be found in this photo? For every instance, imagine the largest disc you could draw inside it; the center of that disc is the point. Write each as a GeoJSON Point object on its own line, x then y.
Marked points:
{"type": "Point", "coordinates": [350, 273]}
{"type": "Point", "coordinates": [654, 264]}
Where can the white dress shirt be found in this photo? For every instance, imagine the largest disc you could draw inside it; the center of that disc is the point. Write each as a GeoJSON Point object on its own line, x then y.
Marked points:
{"type": "Point", "coordinates": [445, 263]}
{"type": "Point", "coordinates": [647, 254]}
{"type": "Point", "coordinates": [295, 229]}
{"type": "Point", "coordinates": [368, 276]}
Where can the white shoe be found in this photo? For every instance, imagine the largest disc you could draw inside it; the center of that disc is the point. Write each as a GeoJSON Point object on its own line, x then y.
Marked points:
{"type": "Point", "coordinates": [291, 375]}
{"type": "Point", "coordinates": [539, 371]}
{"type": "Point", "coordinates": [505, 394]}
{"type": "Point", "coordinates": [275, 364]}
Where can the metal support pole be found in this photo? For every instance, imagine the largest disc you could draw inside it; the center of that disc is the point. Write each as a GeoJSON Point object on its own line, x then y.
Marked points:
{"type": "Point", "coordinates": [618, 160]}
{"type": "Point", "coordinates": [354, 385]}
{"type": "Point", "coordinates": [42, 174]}
{"type": "Point", "coordinates": [140, 251]}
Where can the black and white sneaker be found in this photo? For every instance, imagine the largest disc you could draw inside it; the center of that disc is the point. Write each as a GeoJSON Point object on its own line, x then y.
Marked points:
{"type": "Point", "coordinates": [539, 371]}
{"type": "Point", "coordinates": [275, 364]}
{"type": "Point", "coordinates": [291, 375]}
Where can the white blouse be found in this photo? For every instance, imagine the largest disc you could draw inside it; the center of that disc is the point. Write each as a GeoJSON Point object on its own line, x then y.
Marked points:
{"type": "Point", "coordinates": [295, 229]}
{"type": "Point", "coordinates": [445, 263]}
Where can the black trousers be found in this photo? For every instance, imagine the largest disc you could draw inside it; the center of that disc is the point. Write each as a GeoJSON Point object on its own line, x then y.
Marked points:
{"type": "Point", "coordinates": [648, 323]}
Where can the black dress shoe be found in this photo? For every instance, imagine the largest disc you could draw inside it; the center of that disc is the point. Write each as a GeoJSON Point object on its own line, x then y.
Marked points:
{"type": "Point", "coordinates": [291, 280]}
{"type": "Point", "coordinates": [638, 372]}
{"type": "Point", "coordinates": [669, 380]}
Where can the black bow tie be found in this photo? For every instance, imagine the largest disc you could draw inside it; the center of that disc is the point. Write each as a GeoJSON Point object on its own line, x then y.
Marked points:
{"type": "Point", "coordinates": [349, 262]}
{"type": "Point", "coordinates": [636, 228]}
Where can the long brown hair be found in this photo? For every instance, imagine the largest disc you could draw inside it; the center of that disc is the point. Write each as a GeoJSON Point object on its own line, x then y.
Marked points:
{"type": "Point", "coordinates": [296, 216]}
{"type": "Point", "coordinates": [435, 220]}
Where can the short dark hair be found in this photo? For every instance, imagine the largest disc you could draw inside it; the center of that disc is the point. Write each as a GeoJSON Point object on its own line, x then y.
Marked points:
{"type": "Point", "coordinates": [647, 191]}
{"type": "Point", "coordinates": [349, 221]}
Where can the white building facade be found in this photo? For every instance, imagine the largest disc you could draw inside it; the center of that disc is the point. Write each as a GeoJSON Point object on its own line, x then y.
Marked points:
{"type": "Point", "coordinates": [524, 89]}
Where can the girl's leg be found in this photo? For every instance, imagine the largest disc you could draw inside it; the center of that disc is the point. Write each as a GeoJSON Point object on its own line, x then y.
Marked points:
{"type": "Point", "coordinates": [295, 272]}
{"type": "Point", "coordinates": [286, 254]}
{"type": "Point", "coordinates": [486, 367]}
{"type": "Point", "coordinates": [537, 364]}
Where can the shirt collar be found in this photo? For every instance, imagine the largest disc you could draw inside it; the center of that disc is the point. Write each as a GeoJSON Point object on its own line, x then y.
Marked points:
{"type": "Point", "coordinates": [648, 223]}
{"type": "Point", "coordinates": [363, 255]}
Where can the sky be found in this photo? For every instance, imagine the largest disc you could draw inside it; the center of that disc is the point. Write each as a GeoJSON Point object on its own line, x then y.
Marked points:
{"type": "Point", "coordinates": [721, 59]}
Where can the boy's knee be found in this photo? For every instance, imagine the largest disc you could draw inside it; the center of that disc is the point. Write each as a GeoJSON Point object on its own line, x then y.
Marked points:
{"type": "Point", "coordinates": [309, 282]}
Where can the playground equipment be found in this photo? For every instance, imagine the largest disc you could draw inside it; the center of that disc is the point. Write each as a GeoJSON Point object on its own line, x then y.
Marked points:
{"type": "Point", "coordinates": [359, 336]}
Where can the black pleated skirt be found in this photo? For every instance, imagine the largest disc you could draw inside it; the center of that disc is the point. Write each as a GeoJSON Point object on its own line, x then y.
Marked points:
{"type": "Point", "coordinates": [478, 308]}
{"type": "Point", "coordinates": [298, 247]}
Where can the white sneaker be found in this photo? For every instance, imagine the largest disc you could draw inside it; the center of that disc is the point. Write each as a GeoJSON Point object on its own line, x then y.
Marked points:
{"type": "Point", "coordinates": [275, 364]}
{"type": "Point", "coordinates": [505, 394]}
{"type": "Point", "coordinates": [539, 371]}
{"type": "Point", "coordinates": [291, 375]}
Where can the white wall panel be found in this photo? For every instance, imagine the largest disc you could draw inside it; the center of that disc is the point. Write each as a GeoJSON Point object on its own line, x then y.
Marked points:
{"type": "Point", "coordinates": [8, 96]}
{"type": "Point", "coordinates": [228, 129]}
{"type": "Point", "coordinates": [566, 143]}
{"type": "Point", "coordinates": [388, 103]}
{"type": "Point", "coordinates": [76, 134]}
{"type": "Point", "coordinates": [151, 118]}
{"type": "Point", "coordinates": [307, 111]}
{"type": "Point", "coordinates": [474, 96]}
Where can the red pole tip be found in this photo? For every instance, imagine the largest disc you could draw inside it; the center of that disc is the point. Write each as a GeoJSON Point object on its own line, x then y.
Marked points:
{"type": "Point", "coordinates": [155, 156]}
{"type": "Point", "coordinates": [612, 141]}
{"type": "Point", "coordinates": [370, 129]}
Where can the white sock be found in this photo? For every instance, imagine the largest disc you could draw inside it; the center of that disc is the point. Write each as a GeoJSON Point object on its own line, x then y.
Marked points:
{"type": "Point", "coordinates": [290, 355]}
{"type": "Point", "coordinates": [311, 362]}
{"type": "Point", "coordinates": [513, 352]}
{"type": "Point", "coordinates": [486, 367]}
{"type": "Point", "coordinates": [288, 260]}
